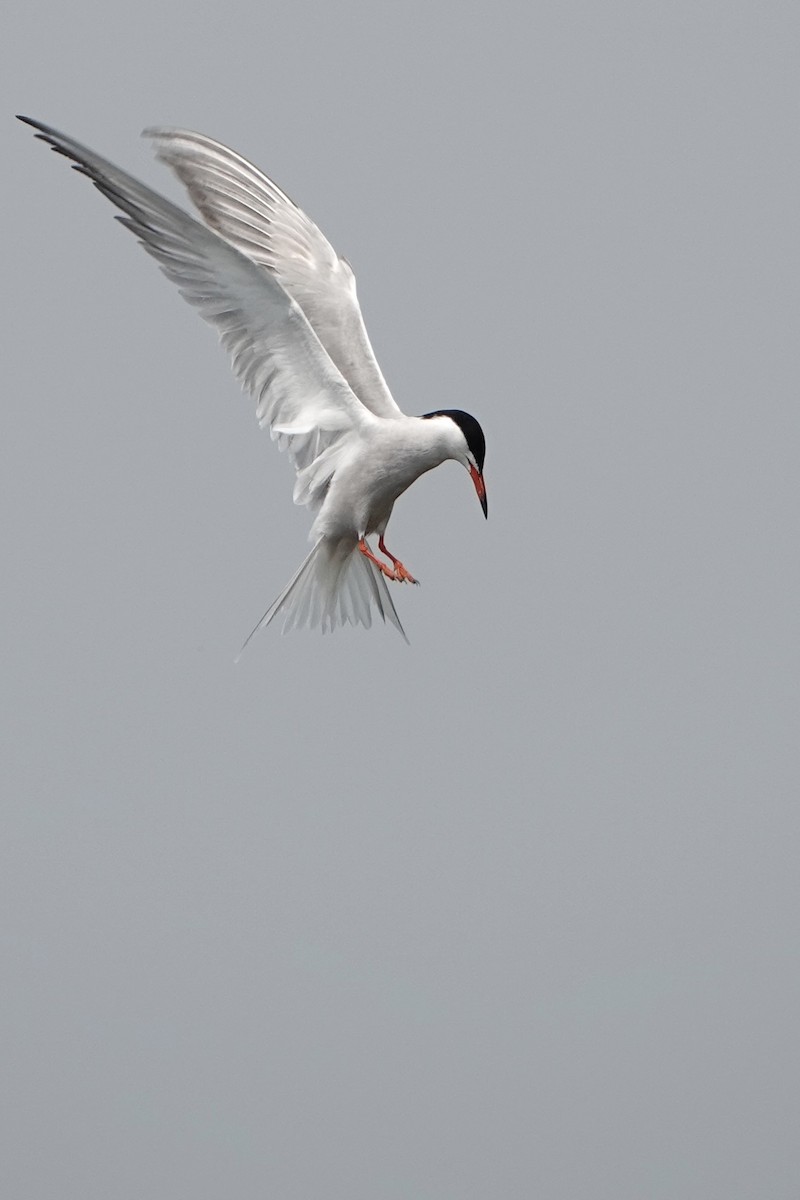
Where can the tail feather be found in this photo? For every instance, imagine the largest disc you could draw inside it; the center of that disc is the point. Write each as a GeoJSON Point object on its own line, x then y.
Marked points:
{"type": "Point", "coordinates": [335, 585]}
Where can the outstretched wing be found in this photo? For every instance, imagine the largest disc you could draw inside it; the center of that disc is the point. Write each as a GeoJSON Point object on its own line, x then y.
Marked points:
{"type": "Point", "coordinates": [253, 214]}
{"type": "Point", "coordinates": [301, 396]}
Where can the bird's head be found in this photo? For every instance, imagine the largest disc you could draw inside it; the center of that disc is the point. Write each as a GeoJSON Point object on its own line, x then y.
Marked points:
{"type": "Point", "coordinates": [468, 446]}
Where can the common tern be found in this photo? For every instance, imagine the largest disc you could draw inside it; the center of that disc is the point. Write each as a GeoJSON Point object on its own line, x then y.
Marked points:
{"type": "Point", "coordinates": [284, 305]}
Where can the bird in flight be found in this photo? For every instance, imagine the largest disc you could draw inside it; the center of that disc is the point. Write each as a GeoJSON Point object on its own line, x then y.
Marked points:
{"type": "Point", "coordinates": [284, 305]}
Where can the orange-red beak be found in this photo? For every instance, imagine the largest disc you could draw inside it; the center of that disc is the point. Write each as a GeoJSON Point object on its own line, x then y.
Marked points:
{"type": "Point", "coordinates": [480, 488]}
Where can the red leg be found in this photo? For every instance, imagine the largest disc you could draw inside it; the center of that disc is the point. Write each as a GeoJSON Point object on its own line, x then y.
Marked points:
{"type": "Point", "coordinates": [400, 572]}
{"type": "Point", "coordinates": [365, 550]}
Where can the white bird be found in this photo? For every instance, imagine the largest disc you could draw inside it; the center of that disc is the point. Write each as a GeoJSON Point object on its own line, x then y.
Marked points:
{"type": "Point", "coordinates": [285, 307]}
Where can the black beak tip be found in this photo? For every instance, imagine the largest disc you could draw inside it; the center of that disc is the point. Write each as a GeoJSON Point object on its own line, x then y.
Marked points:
{"type": "Point", "coordinates": [480, 487]}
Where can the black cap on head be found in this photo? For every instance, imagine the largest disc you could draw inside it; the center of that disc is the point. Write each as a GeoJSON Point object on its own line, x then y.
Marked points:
{"type": "Point", "coordinates": [473, 434]}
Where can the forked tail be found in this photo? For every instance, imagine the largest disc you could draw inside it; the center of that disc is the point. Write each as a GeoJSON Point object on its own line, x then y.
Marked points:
{"type": "Point", "coordinates": [336, 585]}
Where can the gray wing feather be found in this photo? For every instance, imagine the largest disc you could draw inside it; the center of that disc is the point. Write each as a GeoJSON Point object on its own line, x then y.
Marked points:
{"type": "Point", "coordinates": [252, 213]}
{"type": "Point", "coordinates": [300, 394]}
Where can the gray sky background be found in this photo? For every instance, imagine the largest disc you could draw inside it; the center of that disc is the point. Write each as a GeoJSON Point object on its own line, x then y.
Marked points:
{"type": "Point", "coordinates": [510, 913]}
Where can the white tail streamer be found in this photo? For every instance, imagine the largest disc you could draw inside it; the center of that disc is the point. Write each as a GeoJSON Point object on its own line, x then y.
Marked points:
{"type": "Point", "coordinates": [335, 585]}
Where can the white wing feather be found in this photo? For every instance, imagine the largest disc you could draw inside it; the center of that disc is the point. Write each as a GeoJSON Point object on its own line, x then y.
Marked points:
{"type": "Point", "coordinates": [252, 213]}
{"type": "Point", "coordinates": [300, 394]}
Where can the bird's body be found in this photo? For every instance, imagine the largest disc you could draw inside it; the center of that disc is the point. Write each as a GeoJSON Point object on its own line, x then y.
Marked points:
{"type": "Point", "coordinates": [285, 307]}
{"type": "Point", "coordinates": [362, 492]}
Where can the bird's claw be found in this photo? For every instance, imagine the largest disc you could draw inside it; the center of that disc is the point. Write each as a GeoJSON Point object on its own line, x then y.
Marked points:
{"type": "Point", "coordinates": [396, 572]}
{"type": "Point", "coordinates": [404, 576]}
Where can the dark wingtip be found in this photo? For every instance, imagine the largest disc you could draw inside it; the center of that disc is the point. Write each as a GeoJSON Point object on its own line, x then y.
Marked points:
{"type": "Point", "coordinates": [45, 134]}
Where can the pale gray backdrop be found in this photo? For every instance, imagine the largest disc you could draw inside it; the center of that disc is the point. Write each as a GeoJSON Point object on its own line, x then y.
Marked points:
{"type": "Point", "coordinates": [510, 913]}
